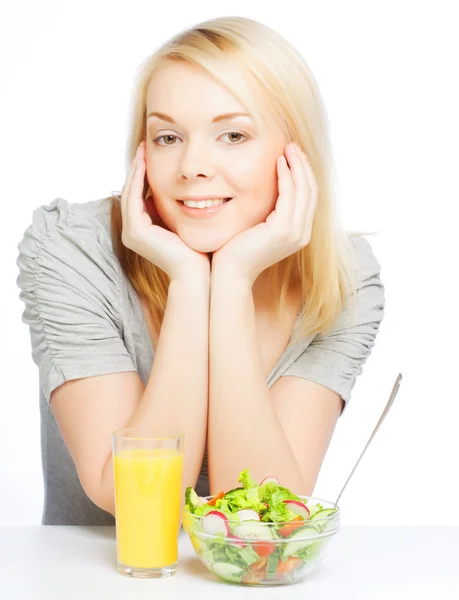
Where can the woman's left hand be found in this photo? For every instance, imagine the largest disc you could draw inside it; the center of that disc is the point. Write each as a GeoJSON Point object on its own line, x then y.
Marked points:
{"type": "Point", "coordinates": [286, 230]}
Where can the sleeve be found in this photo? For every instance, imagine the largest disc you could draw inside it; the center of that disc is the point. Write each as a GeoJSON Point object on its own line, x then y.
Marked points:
{"type": "Point", "coordinates": [335, 359]}
{"type": "Point", "coordinates": [69, 281]}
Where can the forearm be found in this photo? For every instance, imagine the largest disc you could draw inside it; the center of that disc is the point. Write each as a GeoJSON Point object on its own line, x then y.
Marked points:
{"type": "Point", "coordinates": [243, 428]}
{"type": "Point", "coordinates": [176, 394]}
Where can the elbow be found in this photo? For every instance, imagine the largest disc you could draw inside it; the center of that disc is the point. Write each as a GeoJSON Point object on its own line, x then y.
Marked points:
{"type": "Point", "coordinates": [100, 495]}
{"type": "Point", "coordinates": [103, 500]}
{"type": "Point", "coordinates": [101, 491]}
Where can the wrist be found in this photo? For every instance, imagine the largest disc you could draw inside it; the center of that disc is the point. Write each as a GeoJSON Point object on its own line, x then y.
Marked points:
{"type": "Point", "coordinates": [227, 277]}
{"type": "Point", "coordinates": [230, 275]}
{"type": "Point", "coordinates": [192, 279]}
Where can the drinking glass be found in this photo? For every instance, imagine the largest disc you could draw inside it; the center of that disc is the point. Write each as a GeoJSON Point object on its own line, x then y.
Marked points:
{"type": "Point", "coordinates": [148, 488]}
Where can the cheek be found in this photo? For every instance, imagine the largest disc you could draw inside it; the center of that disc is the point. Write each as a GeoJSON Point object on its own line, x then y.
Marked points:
{"type": "Point", "coordinates": [259, 181]}
{"type": "Point", "coordinates": [159, 183]}
{"type": "Point", "coordinates": [156, 175]}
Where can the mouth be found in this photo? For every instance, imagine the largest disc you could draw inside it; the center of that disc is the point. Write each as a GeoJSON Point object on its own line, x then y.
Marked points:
{"type": "Point", "coordinates": [203, 204]}
{"type": "Point", "coordinates": [202, 208]}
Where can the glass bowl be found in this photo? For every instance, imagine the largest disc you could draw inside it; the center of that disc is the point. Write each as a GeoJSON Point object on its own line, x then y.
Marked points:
{"type": "Point", "coordinates": [254, 552]}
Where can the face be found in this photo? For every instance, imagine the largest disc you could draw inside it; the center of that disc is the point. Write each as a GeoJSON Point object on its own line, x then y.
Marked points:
{"type": "Point", "coordinates": [195, 155]}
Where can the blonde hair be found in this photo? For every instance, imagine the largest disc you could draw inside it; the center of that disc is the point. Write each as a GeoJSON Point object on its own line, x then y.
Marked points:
{"type": "Point", "coordinates": [245, 55]}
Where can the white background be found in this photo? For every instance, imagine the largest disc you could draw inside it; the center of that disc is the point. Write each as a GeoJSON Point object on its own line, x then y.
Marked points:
{"type": "Point", "coordinates": [389, 79]}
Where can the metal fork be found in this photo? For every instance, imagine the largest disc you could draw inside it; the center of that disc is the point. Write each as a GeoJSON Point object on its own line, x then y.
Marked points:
{"type": "Point", "coordinates": [378, 424]}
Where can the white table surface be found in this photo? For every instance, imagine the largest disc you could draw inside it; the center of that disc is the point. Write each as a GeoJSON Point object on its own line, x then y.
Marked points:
{"type": "Point", "coordinates": [362, 563]}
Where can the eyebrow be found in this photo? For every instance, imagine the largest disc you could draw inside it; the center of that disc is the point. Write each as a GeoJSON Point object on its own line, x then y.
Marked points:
{"type": "Point", "coordinates": [223, 117]}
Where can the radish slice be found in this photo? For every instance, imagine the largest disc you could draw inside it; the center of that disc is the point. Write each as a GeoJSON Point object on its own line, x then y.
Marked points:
{"type": "Point", "coordinates": [237, 540]}
{"type": "Point", "coordinates": [247, 514]}
{"type": "Point", "coordinates": [215, 522]}
{"type": "Point", "coordinates": [270, 480]}
{"type": "Point", "coordinates": [298, 508]}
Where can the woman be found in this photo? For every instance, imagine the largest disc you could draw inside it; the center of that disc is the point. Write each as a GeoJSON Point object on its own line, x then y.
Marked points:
{"type": "Point", "coordinates": [244, 324]}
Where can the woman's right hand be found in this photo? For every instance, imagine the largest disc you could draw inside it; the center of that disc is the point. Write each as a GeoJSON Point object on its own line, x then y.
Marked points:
{"type": "Point", "coordinates": [155, 243]}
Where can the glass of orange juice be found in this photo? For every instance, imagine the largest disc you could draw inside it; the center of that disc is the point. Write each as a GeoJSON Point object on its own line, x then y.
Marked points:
{"type": "Point", "coordinates": [148, 488]}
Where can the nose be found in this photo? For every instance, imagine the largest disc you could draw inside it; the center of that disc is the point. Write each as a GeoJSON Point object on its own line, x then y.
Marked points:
{"type": "Point", "coordinates": [196, 162]}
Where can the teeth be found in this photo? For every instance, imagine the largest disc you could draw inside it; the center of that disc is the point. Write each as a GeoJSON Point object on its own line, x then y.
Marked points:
{"type": "Point", "coordinates": [204, 203]}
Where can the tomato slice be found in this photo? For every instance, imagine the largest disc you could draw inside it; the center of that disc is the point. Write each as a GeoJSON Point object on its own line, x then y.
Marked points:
{"type": "Point", "coordinates": [215, 498]}
{"type": "Point", "coordinates": [289, 528]}
{"type": "Point", "coordinates": [256, 572]}
{"type": "Point", "coordinates": [288, 565]}
{"type": "Point", "coordinates": [264, 548]}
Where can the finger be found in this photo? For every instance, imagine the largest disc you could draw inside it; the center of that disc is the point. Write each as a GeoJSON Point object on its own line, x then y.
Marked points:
{"type": "Point", "coordinates": [126, 194]}
{"type": "Point", "coordinates": [302, 187]}
{"type": "Point", "coordinates": [313, 191]}
{"type": "Point", "coordinates": [284, 205]}
{"type": "Point", "coordinates": [134, 202]}
{"type": "Point", "coordinates": [130, 175]}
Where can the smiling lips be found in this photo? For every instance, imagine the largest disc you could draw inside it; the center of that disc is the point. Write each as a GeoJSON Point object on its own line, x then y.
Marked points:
{"type": "Point", "coordinates": [207, 203]}
{"type": "Point", "coordinates": [203, 208]}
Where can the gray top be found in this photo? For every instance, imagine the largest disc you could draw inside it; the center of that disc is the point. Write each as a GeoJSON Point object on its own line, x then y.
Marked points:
{"type": "Point", "coordinates": [85, 319]}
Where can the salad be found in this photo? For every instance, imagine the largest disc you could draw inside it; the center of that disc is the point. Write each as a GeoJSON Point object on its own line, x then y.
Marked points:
{"type": "Point", "coordinates": [256, 533]}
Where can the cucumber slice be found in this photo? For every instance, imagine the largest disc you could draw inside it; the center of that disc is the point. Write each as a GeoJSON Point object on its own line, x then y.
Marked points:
{"type": "Point", "coordinates": [325, 512]}
{"type": "Point", "coordinates": [228, 571]}
{"type": "Point", "coordinates": [298, 541]}
{"type": "Point", "coordinates": [191, 497]}
{"type": "Point", "coordinates": [313, 509]}
{"type": "Point", "coordinates": [253, 531]}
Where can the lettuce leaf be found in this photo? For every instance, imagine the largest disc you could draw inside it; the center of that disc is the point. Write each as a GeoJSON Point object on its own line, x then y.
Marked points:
{"type": "Point", "coordinates": [201, 511]}
{"type": "Point", "coordinates": [279, 513]}
{"type": "Point", "coordinates": [250, 496]}
{"type": "Point", "coordinates": [246, 479]}
{"type": "Point", "coordinates": [224, 552]}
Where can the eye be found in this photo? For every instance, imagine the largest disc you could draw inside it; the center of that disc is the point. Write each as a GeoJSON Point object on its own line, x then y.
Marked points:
{"type": "Point", "coordinates": [168, 135]}
{"type": "Point", "coordinates": [235, 133]}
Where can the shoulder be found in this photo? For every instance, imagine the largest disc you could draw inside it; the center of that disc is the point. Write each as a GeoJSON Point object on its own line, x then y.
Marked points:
{"type": "Point", "coordinates": [69, 280]}
{"type": "Point", "coordinates": [71, 243]}
{"type": "Point", "coordinates": [335, 358]}
{"type": "Point", "coordinates": [88, 221]}
{"type": "Point", "coordinates": [366, 263]}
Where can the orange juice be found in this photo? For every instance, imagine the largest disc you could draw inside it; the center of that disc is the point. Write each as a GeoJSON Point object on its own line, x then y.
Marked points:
{"type": "Point", "coordinates": [148, 483]}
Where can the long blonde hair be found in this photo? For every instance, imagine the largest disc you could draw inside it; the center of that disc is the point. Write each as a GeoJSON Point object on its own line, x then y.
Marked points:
{"type": "Point", "coordinates": [243, 55]}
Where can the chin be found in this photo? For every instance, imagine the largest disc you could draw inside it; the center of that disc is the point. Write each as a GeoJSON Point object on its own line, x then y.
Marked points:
{"type": "Point", "coordinates": [211, 241]}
